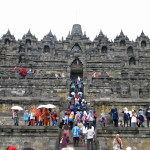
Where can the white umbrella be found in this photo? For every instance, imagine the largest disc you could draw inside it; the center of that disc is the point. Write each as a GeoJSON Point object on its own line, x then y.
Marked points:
{"type": "Point", "coordinates": [50, 106]}
{"type": "Point", "coordinates": [41, 106]}
{"type": "Point", "coordinates": [17, 108]}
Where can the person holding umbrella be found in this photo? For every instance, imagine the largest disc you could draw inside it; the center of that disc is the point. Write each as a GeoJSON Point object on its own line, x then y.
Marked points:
{"type": "Point", "coordinates": [15, 114]}
{"type": "Point", "coordinates": [15, 117]}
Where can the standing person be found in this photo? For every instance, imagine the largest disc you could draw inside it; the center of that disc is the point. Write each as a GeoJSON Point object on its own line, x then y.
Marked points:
{"type": "Point", "coordinates": [64, 141]}
{"type": "Point", "coordinates": [115, 117]}
{"type": "Point", "coordinates": [26, 117]}
{"type": "Point", "coordinates": [65, 129]}
{"type": "Point", "coordinates": [32, 116]}
{"type": "Point", "coordinates": [90, 117]}
{"type": "Point", "coordinates": [147, 114]}
{"type": "Point", "coordinates": [141, 118]}
{"type": "Point", "coordinates": [94, 75]}
{"type": "Point", "coordinates": [15, 117]}
{"type": "Point", "coordinates": [125, 116]}
{"type": "Point", "coordinates": [49, 117]}
{"type": "Point", "coordinates": [63, 75]}
{"type": "Point", "coordinates": [40, 117]}
{"type": "Point", "coordinates": [77, 116]}
{"type": "Point", "coordinates": [90, 135]}
{"type": "Point", "coordinates": [117, 143]}
{"type": "Point", "coordinates": [84, 138]}
{"type": "Point", "coordinates": [76, 132]}
{"type": "Point", "coordinates": [95, 117]}
{"type": "Point", "coordinates": [133, 119]}
{"type": "Point", "coordinates": [45, 119]}
{"type": "Point", "coordinates": [37, 117]}
{"type": "Point", "coordinates": [73, 87]}
{"type": "Point", "coordinates": [54, 120]}
{"type": "Point", "coordinates": [103, 120]}
{"type": "Point", "coordinates": [80, 86]}
{"type": "Point", "coordinates": [79, 79]}
{"type": "Point", "coordinates": [130, 114]}
{"type": "Point", "coordinates": [71, 119]}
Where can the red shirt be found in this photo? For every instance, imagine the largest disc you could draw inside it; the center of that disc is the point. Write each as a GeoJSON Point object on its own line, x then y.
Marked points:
{"type": "Point", "coordinates": [54, 116]}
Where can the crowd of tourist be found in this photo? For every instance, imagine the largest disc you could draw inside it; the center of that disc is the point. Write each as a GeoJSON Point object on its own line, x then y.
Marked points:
{"type": "Point", "coordinates": [41, 117]}
{"type": "Point", "coordinates": [76, 118]}
{"type": "Point", "coordinates": [81, 122]}
{"type": "Point", "coordinates": [130, 118]}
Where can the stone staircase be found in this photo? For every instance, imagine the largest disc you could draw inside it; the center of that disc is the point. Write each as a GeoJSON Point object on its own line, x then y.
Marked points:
{"type": "Point", "coordinates": [80, 146]}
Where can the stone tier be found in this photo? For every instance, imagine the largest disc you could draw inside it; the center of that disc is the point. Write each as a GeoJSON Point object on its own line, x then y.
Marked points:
{"type": "Point", "coordinates": [39, 138]}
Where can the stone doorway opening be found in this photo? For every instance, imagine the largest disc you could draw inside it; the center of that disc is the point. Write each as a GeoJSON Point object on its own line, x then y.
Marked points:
{"type": "Point", "coordinates": [76, 69]}
{"type": "Point", "coordinates": [75, 72]}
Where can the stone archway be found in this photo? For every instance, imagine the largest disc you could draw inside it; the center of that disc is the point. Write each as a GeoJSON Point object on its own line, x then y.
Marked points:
{"type": "Point", "coordinates": [76, 69]}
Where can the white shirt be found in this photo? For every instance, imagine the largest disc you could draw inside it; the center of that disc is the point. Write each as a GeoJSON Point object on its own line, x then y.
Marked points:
{"type": "Point", "coordinates": [90, 133]}
{"type": "Point", "coordinates": [133, 119]}
{"type": "Point", "coordinates": [84, 130]}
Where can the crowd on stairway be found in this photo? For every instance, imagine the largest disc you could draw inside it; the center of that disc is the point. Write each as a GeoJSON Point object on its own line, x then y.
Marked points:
{"type": "Point", "coordinates": [81, 122]}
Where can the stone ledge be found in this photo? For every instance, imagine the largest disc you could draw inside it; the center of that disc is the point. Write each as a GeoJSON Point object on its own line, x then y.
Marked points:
{"type": "Point", "coordinates": [28, 130]}
{"type": "Point", "coordinates": [31, 100]}
{"type": "Point", "coordinates": [120, 100]}
{"type": "Point", "coordinates": [124, 132]}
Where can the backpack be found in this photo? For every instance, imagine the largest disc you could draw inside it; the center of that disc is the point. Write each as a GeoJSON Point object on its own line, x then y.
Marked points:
{"type": "Point", "coordinates": [80, 86]}
{"type": "Point", "coordinates": [115, 116]}
{"type": "Point", "coordinates": [112, 117]}
{"type": "Point", "coordinates": [72, 86]}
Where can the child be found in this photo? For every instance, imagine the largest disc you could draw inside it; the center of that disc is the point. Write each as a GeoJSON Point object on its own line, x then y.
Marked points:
{"type": "Point", "coordinates": [103, 120]}
{"type": "Point", "coordinates": [26, 117]}
{"type": "Point", "coordinates": [121, 124]}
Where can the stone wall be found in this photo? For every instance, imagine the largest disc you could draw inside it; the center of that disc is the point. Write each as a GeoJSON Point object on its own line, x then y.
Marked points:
{"type": "Point", "coordinates": [104, 105]}
{"type": "Point", "coordinates": [38, 138]}
{"type": "Point", "coordinates": [132, 137]}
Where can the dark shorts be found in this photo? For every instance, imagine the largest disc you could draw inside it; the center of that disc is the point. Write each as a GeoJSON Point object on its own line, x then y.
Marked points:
{"type": "Point", "coordinates": [76, 138]}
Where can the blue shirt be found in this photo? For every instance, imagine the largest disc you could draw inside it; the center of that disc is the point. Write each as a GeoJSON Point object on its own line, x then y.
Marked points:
{"type": "Point", "coordinates": [76, 131]}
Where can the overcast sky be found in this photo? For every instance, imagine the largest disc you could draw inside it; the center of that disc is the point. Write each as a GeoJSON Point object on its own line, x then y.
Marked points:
{"type": "Point", "coordinates": [132, 16]}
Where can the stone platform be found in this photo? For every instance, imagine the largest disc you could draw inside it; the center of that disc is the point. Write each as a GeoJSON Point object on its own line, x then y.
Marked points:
{"type": "Point", "coordinates": [38, 138]}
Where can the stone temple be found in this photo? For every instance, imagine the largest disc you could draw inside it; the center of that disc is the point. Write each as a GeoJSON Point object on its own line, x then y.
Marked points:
{"type": "Point", "coordinates": [127, 83]}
